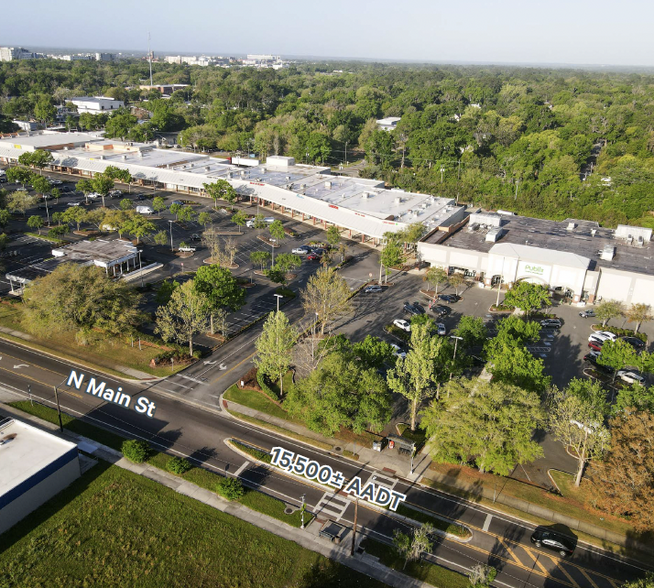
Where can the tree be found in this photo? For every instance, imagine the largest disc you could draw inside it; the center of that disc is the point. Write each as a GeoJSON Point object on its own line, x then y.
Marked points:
{"type": "Point", "coordinates": [624, 479]}
{"type": "Point", "coordinates": [239, 219]}
{"type": "Point", "coordinates": [472, 330]}
{"type": "Point", "coordinates": [457, 280]}
{"type": "Point", "coordinates": [374, 352]}
{"type": "Point", "coordinates": [576, 417]}
{"type": "Point", "coordinates": [634, 397]}
{"type": "Point", "coordinates": [186, 214]}
{"type": "Point", "coordinates": [340, 393]}
{"type": "Point", "coordinates": [482, 576]}
{"type": "Point", "coordinates": [81, 299]}
{"type": "Point", "coordinates": [326, 296]}
{"type": "Point", "coordinates": [204, 218]}
{"type": "Point", "coordinates": [391, 255]}
{"type": "Point", "coordinates": [35, 222]}
{"type": "Point", "coordinates": [646, 582]}
{"type": "Point", "coordinates": [138, 226]}
{"type": "Point", "coordinates": [527, 297]}
{"type": "Point", "coordinates": [158, 204]}
{"type": "Point", "coordinates": [490, 423]}
{"type": "Point", "coordinates": [126, 204]}
{"type": "Point", "coordinates": [112, 173]}
{"type": "Point", "coordinates": [38, 158]}
{"type": "Point", "coordinates": [185, 315]}
{"type": "Point", "coordinates": [115, 220]}
{"type": "Point", "coordinates": [638, 313]}
{"type": "Point", "coordinates": [19, 175]}
{"type": "Point", "coordinates": [85, 187]}
{"type": "Point", "coordinates": [260, 258]}
{"type": "Point", "coordinates": [4, 241]}
{"type": "Point", "coordinates": [41, 185]}
{"type": "Point", "coordinates": [285, 262]}
{"type": "Point", "coordinates": [220, 288]}
{"type": "Point", "coordinates": [275, 347]}
{"type": "Point", "coordinates": [161, 238]}
{"type": "Point", "coordinates": [616, 355]}
{"type": "Point", "coordinates": [5, 217]}
{"type": "Point", "coordinates": [608, 309]}
{"type": "Point", "coordinates": [103, 184]}
{"type": "Point", "coordinates": [75, 215]}
{"type": "Point", "coordinates": [333, 236]}
{"type": "Point", "coordinates": [277, 233]}
{"type": "Point", "coordinates": [437, 276]}
{"type": "Point", "coordinates": [175, 207]}
{"type": "Point", "coordinates": [414, 376]}
{"type": "Point", "coordinates": [21, 201]}
{"type": "Point", "coordinates": [411, 547]}
{"type": "Point", "coordinates": [221, 190]}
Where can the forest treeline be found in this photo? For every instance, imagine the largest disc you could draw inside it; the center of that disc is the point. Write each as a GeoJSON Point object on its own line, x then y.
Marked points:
{"type": "Point", "coordinates": [519, 139]}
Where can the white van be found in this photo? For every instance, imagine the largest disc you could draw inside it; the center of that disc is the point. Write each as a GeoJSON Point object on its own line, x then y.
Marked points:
{"type": "Point", "coordinates": [144, 210]}
{"type": "Point", "coordinates": [269, 219]}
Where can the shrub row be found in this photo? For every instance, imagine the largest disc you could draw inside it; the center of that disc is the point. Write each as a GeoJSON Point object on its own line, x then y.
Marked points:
{"type": "Point", "coordinates": [623, 332]}
{"type": "Point", "coordinates": [253, 451]}
{"type": "Point", "coordinates": [265, 388]}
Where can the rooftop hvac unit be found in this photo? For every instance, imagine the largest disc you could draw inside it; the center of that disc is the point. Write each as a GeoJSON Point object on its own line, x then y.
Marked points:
{"type": "Point", "coordinates": [473, 227]}
{"type": "Point", "coordinates": [571, 226]}
{"type": "Point", "coordinates": [640, 241]}
{"type": "Point", "coordinates": [303, 186]}
{"type": "Point", "coordinates": [207, 168]}
{"type": "Point", "coordinates": [593, 232]}
{"type": "Point", "coordinates": [366, 195]}
{"type": "Point", "coordinates": [101, 156]}
{"type": "Point", "coordinates": [328, 184]}
{"type": "Point", "coordinates": [494, 235]}
{"type": "Point", "coordinates": [506, 213]}
{"type": "Point", "coordinates": [398, 200]}
{"type": "Point", "coordinates": [608, 253]}
{"type": "Point", "coordinates": [191, 164]}
{"type": "Point", "coordinates": [288, 177]}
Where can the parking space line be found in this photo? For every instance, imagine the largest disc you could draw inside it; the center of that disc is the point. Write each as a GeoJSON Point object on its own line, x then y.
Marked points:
{"type": "Point", "coordinates": [487, 522]}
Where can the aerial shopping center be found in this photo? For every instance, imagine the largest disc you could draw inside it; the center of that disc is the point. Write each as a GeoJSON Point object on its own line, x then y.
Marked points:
{"type": "Point", "coordinates": [578, 258]}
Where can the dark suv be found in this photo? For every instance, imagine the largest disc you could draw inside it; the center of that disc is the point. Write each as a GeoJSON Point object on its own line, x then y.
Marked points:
{"type": "Point", "coordinates": [555, 541]}
{"type": "Point", "coordinates": [415, 308]}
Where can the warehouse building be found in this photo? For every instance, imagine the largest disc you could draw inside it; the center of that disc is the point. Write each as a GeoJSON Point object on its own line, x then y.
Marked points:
{"type": "Point", "coordinates": [35, 466]}
{"type": "Point", "coordinates": [576, 258]}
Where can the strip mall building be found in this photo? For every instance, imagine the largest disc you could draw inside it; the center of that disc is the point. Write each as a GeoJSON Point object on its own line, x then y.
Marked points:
{"type": "Point", "coordinates": [577, 258]}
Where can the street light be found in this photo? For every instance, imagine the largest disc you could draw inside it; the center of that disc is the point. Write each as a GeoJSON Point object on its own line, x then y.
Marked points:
{"type": "Point", "coordinates": [171, 235]}
{"type": "Point", "coordinates": [278, 296]}
{"type": "Point", "coordinates": [302, 511]}
{"type": "Point", "coordinates": [272, 246]}
{"type": "Point", "coordinates": [456, 342]}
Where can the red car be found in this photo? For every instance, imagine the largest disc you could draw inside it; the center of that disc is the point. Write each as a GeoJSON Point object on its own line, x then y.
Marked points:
{"type": "Point", "coordinates": [595, 345]}
{"type": "Point", "coordinates": [314, 257]}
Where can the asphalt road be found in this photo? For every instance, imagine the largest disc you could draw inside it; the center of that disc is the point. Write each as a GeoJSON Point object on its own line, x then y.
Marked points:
{"type": "Point", "coordinates": [198, 434]}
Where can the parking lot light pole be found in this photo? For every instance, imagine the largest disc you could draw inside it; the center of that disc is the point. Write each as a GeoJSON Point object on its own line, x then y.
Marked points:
{"type": "Point", "coordinates": [278, 296]}
{"type": "Point", "coordinates": [302, 511]}
{"type": "Point", "coordinates": [171, 235]}
{"type": "Point", "coordinates": [456, 342]}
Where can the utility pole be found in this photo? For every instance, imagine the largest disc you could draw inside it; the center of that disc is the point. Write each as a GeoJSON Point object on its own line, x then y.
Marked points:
{"type": "Point", "coordinates": [456, 342]}
{"type": "Point", "coordinates": [354, 528]}
{"type": "Point", "coordinates": [150, 58]}
{"type": "Point", "coordinates": [61, 424]}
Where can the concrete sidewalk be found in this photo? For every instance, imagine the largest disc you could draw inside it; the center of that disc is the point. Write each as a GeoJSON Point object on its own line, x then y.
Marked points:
{"type": "Point", "coordinates": [307, 538]}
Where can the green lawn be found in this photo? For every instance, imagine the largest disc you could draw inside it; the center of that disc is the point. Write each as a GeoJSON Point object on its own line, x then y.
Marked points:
{"type": "Point", "coordinates": [106, 354]}
{"type": "Point", "coordinates": [423, 517]}
{"type": "Point", "coordinates": [114, 528]}
{"type": "Point", "coordinates": [422, 570]}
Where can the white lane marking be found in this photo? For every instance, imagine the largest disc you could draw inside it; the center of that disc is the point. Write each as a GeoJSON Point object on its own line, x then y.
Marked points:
{"type": "Point", "coordinates": [239, 471]}
{"type": "Point", "coordinates": [20, 365]}
{"type": "Point", "coordinates": [487, 522]}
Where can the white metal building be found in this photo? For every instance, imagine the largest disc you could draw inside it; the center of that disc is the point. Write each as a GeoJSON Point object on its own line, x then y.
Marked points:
{"type": "Point", "coordinates": [96, 104]}
{"type": "Point", "coordinates": [35, 466]}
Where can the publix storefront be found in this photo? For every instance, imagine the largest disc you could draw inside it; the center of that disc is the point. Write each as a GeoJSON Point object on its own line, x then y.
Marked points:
{"type": "Point", "coordinates": [511, 263]}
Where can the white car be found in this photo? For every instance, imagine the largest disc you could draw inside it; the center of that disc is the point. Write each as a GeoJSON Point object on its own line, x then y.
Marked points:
{"type": "Point", "coordinates": [55, 182]}
{"type": "Point", "coordinates": [73, 203]}
{"type": "Point", "coordinates": [250, 223]}
{"type": "Point", "coordinates": [603, 336]}
{"type": "Point", "coordinates": [402, 324]}
{"type": "Point", "coordinates": [93, 195]}
{"type": "Point", "coordinates": [397, 350]}
{"type": "Point", "coordinates": [440, 329]}
{"type": "Point", "coordinates": [631, 377]}
{"type": "Point", "coordinates": [302, 250]}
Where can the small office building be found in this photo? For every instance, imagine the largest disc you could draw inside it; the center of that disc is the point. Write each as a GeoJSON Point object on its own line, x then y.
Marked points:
{"type": "Point", "coordinates": [35, 466]}
{"type": "Point", "coordinates": [96, 104]}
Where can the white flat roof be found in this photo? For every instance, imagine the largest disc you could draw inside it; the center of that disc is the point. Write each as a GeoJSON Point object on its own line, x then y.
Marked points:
{"type": "Point", "coordinates": [540, 255]}
{"type": "Point", "coordinates": [50, 138]}
{"type": "Point", "coordinates": [27, 453]}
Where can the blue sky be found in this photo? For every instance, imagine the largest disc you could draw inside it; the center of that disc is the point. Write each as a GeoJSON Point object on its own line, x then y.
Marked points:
{"type": "Point", "coordinates": [523, 31]}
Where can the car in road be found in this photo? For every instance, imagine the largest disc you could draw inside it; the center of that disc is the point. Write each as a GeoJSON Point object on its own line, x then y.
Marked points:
{"type": "Point", "coordinates": [551, 323]}
{"type": "Point", "coordinates": [544, 537]}
{"type": "Point", "coordinates": [302, 250]}
{"type": "Point", "coordinates": [402, 324]}
{"type": "Point", "coordinates": [635, 342]}
{"type": "Point", "coordinates": [449, 298]}
{"type": "Point", "coordinates": [631, 377]}
{"type": "Point", "coordinates": [414, 308]}
{"type": "Point", "coordinates": [590, 313]}
{"type": "Point", "coordinates": [440, 311]}
{"type": "Point", "coordinates": [440, 329]}
{"type": "Point", "coordinates": [398, 351]}
{"type": "Point", "coordinates": [372, 289]}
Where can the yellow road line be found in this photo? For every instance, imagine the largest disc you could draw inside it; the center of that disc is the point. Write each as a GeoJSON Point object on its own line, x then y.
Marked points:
{"type": "Point", "coordinates": [560, 567]}
{"type": "Point", "coordinates": [536, 560]}
{"type": "Point", "coordinates": [23, 375]}
{"type": "Point", "coordinates": [510, 551]}
{"type": "Point", "coordinates": [613, 583]}
{"type": "Point", "coordinates": [587, 576]}
{"type": "Point", "coordinates": [233, 368]}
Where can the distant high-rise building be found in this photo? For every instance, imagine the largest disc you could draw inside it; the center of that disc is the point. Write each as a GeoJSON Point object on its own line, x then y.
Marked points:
{"type": "Point", "coordinates": [13, 53]}
{"type": "Point", "coordinates": [105, 57]}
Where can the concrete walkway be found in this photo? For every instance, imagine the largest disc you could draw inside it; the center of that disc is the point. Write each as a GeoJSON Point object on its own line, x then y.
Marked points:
{"type": "Point", "coordinates": [307, 538]}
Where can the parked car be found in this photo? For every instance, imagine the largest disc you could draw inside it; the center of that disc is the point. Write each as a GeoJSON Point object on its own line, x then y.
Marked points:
{"type": "Point", "coordinates": [635, 342]}
{"type": "Point", "coordinates": [551, 323]}
{"type": "Point", "coordinates": [302, 250]}
{"type": "Point", "coordinates": [402, 324]}
{"type": "Point", "coordinates": [250, 223]}
{"type": "Point", "coordinates": [320, 251]}
{"type": "Point", "coordinates": [3, 179]}
{"type": "Point", "coordinates": [415, 308]}
{"type": "Point", "coordinates": [603, 336]}
{"type": "Point", "coordinates": [177, 202]}
{"type": "Point", "coordinates": [441, 311]}
{"type": "Point", "coordinates": [592, 356]}
{"type": "Point", "coordinates": [66, 189]}
{"type": "Point", "coordinates": [397, 350]}
{"type": "Point", "coordinates": [313, 256]}
{"type": "Point", "coordinates": [195, 237]}
{"type": "Point", "coordinates": [590, 313]}
{"type": "Point", "coordinates": [372, 289]}
{"type": "Point", "coordinates": [54, 182]}
{"type": "Point", "coordinates": [553, 540]}
{"type": "Point", "coordinates": [449, 298]}
{"type": "Point", "coordinates": [93, 195]}
{"type": "Point", "coordinates": [440, 329]}
{"type": "Point", "coordinates": [145, 210]}
{"type": "Point", "coordinates": [631, 377]}
{"type": "Point", "coordinates": [595, 344]}
{"type": "Point", "coordinates": [73, 203]}
{"type": "Point", "coordinates": [140, 197]}
{"type": "Point", "coordinates": [115, 193]}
